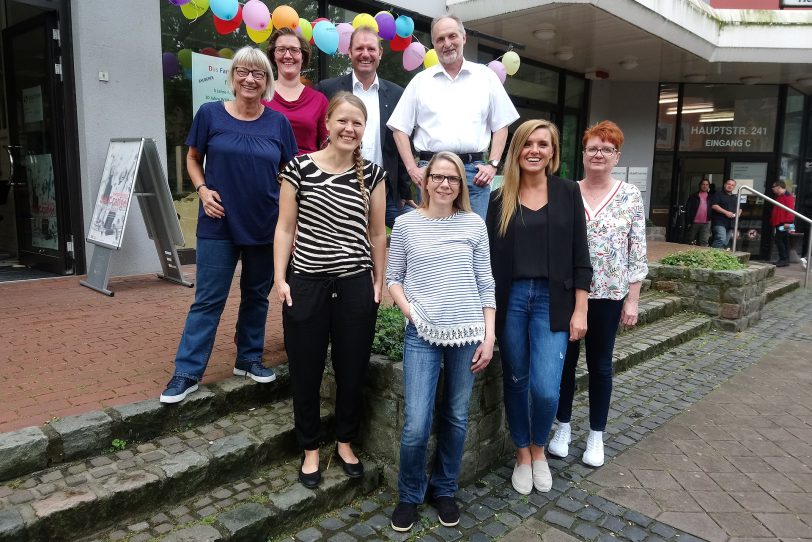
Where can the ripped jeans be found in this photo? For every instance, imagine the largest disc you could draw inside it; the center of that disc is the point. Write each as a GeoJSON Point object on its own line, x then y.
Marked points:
{"type": "Point", "coordinates": [532, 361]}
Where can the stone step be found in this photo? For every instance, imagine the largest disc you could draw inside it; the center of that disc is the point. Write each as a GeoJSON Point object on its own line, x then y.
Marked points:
{"type": "Point", "coordinates": [655, 305]}
{"type": "Point", "coordinates": [75, 497]}
{"type": "Point", "coordinates": [77, 437]}
{"type": "Point", "coordinates": [265, 504]}
{"type": "Point", "coordinates": [642, 342]}
{"type": "Point", "coordinates": [777, 286]}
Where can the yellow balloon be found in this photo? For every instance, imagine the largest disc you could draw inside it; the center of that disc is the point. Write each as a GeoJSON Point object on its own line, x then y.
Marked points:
{"type": "Point", "coordinates": [194, 9]}
{"type": "Point", "coordinates": [226, 52]}
{"type": "Point", "coordinates": [430, 59]}
{"type": "Point", "coordinates": [258, 36]}
{"type": "Point", "coordinates": [306, 28]}
{"type": "Point", "coordinates": [365, 19]}
{"type": "Point", "coordinates": [511, 62]}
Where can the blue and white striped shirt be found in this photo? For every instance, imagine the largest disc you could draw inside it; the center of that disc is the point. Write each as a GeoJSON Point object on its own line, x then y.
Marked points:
{"type": "Point", "coordinates": [444, 267]}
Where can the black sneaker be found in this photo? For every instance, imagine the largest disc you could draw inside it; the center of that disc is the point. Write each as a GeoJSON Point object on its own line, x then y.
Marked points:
{"type": "Point", "coordinates": [404, 516]}
{"type": "Point", "coordinates": [447, 510]}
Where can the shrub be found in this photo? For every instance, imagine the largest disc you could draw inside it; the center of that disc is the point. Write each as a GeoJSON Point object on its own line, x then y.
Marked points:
{"type": "Point", "coordinates": [388, 339]}
{"type": "Point", "coordinates": [716, 260]}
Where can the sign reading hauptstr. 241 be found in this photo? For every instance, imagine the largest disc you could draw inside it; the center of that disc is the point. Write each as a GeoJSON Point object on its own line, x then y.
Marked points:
{"type": "Point", "coordinates": [723, 137]}
{"type": "Point", "coordinates": [796, 3]}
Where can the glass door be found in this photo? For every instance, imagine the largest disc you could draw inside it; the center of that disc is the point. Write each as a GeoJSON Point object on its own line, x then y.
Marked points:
{"type": "Point", "coordinates": [36, 144]}
{"type": "Point", "coordinates": [754, 234]}
{"type": "Point", "coordinates": [691, 172]}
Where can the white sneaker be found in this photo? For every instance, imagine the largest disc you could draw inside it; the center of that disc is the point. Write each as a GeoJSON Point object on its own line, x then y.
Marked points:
{"type": "Point", "coordinates": [522, 479]}
{"type": "Point", "coordinates": [542, 478]}
{"type": "Point", "coordinates": [593, 456]}
{"type": "Point", "coordinates": [803, 263]}
{"type": "Point", "coordinates": [559, 446]}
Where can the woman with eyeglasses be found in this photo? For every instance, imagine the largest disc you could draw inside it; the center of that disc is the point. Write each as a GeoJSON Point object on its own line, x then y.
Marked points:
{"type": "Point", "coordinates": [303, 106]}
{"type": "Point", "coordinates": [540, 261]}
{"type": "Point", "coordinates": [244, 145]}
{"type": "Point", "coordinates": [616, 231]}
{"type": "Point", "coordinates": [439, 275]}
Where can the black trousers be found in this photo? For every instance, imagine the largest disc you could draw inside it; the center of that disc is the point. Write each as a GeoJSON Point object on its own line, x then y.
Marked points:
{"type": "Point", "coordinates": [341, 312]}
{"type": "Point", "coordinates": [782, 244]}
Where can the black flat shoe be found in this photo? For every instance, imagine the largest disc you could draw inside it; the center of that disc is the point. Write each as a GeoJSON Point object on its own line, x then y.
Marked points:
{"type": "Point", "coordinates": [310, 480]}
{"type": "Point", "coordinates": [353, 470]}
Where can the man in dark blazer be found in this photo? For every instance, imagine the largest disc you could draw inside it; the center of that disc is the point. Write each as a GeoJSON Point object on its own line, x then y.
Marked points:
{"type": "Point", "coordinates": [380, 97]}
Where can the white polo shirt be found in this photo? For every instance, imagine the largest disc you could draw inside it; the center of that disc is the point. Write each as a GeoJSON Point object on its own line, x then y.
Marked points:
{"type": "Point", "coordinates": [453, 114]}
{"type": "Point", "coordinates": [371, 142]}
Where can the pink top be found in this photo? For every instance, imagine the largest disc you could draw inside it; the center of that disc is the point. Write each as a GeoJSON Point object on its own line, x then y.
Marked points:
{"type": "Point", "coordinates": [306, 115]}
{"type": "Point", "coordinates": [701, 213]}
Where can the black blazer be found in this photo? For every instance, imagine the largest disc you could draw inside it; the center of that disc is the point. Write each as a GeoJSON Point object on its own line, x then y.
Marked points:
{"type": "Point", "coordinates": [568, 260]}
{"type": "Point", "coordinates": [398, 180]}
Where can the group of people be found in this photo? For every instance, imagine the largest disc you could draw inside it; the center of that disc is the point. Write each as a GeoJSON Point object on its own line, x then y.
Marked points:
{"type": "Point", "coordinates": [302, 195]}
{"type": "Point", "coordinates": [711, 216]}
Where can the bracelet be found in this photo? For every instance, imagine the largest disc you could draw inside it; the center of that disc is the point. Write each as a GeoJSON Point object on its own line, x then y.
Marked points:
{"type": "Point", "coordinates": [198, 187]}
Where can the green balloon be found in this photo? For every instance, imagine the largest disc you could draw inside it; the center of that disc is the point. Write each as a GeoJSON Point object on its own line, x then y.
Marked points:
{"type": "Point", "coordinates": [185, 58]}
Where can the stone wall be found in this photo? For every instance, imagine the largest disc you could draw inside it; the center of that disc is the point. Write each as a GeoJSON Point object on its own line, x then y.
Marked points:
{"type": "Point", "coordinates": [733, 298]}
{"type": "Point", "coordinates": [487, 441]}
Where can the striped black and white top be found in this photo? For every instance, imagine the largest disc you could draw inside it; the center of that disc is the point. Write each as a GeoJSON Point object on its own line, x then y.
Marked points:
{"type": "Point", "coordinates": [444, 268]}
{"type": "Point", "coordinates": [331, 229]}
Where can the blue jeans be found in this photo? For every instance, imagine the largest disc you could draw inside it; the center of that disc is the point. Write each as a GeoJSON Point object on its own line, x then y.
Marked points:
{"type": "Point", "coordinates": [392, 211]}
{"type": "Point", "coordinates": [532, 360]}
{"type": "Point", "coordinates": [421, 371]}
{"type": "Point", "coordinates": [216, 262]}
{"type": "Point", "coordinates": [721, 236]}
{"type": "Point", "coordinates": [479, 196]}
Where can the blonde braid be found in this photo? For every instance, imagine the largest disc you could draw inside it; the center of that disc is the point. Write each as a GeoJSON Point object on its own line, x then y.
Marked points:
{"type": "Point", "coordinates": [359, 175]}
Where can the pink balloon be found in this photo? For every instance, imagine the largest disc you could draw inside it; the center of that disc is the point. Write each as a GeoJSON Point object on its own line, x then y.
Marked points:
{"type": "Point", "coordinates": [256, 15]}
{"type": "Point", "coordinates": [413, 56]}
{"type": "Point", "coordinates": [499, 69]}
{"type": "Point", "coordinates": [344, 34]}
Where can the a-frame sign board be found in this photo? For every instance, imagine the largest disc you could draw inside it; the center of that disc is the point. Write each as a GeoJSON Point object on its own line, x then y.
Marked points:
{"type": "Point", "coordinates": [132, 169]}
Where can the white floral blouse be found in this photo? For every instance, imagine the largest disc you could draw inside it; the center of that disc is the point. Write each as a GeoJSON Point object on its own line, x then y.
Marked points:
{"type": "Point", "coordinates": [616, 232]}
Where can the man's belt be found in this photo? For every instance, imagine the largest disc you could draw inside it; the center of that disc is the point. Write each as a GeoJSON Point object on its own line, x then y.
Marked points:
{"type": "Point", "coordinates": [466, 157]}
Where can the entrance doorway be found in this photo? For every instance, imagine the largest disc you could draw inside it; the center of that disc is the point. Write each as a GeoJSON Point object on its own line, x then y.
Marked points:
{"type": "Point", "coordinates": [35, 215]}
{"type": "Point", "coordinates": [691, 172]}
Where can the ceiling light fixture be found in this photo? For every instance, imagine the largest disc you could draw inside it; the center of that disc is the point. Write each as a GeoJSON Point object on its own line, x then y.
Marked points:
{"type": "Point", "coordinates": [629, 63]}
{"type": "Point", "coordinates": [545, 32]}
{"type": "Point", "coordinates": [750, 79]}
{"type": "Point", "coordinates": [695, 77]}
{"type": "Point", "coordinates": [717, 116]}
{"type": "Point", "coordinates": [564, 53]}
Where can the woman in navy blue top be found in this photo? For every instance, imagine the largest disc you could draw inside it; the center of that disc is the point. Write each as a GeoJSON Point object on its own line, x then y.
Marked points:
{"type": "Point", "coordinates": [244, 145]}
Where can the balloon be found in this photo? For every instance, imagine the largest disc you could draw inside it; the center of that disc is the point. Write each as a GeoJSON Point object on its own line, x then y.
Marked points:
{"type": "Point", "coordinates": [179, 2]}
{"type": "Point", "coordinates": [194, 9]}
{"type": "Point", "coordinates": [511, 61]}
{"type": "Point", "coordinates": [224, 9]}
{"type": "Point", "coordinates": [226, 52]}
{"type": "Point", "coordinates": [399, 43]}
{"type": "Point", "coordinates": [185, 58]}
{"type": "Point", "coordinates": [258, 36]}
{"type": "Point", "coordinates": [285, 16]}
{"type": "Point", "coordinates": [386, 25]}
{"type": "Point", "coordinates": [170, 64]}
{"type": "Point", "coordinates": [365, 19]}
{"type": "Point", "coordinates": [430, 59]}
{"type": "Point", "coordinates": [256, 15]}
{"type": "Point", "coordinates": [326, 37]}
{"type": "Point", "coordinates": [210, 51]}
{"type": "Point", "coordinates": [227, 27]}
{"type": "Point", "coordinates": [404, 26]}
{"type": "Point", "coordinates": [499, 69]}
{"type": "Point", "coordinates": [305, 29]}
{"type": "Point", "coordinates": [413, 56]}
{"type": "Point", "coordinates": [344, 34]}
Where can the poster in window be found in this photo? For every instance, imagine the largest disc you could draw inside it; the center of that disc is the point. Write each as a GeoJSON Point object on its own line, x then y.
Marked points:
{"type": "Point", "coordinates": [209, 80]}
{"type": "Point", "coordinates": [115, 193]}
{"type": "Point", "coordinates": [39, 170]}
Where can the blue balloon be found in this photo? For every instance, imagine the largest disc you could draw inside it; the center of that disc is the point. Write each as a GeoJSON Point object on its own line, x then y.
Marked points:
{"type": "Point", "coordinates": [404, 26]}
{"type": "Point", "coordinates": [325, 34]}
{"type": "Point", "coordinates": [224, 9]}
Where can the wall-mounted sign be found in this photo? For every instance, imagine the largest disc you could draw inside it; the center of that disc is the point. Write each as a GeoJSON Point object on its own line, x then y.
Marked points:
{"type": "Point", "coordinates": [796, 4]}
{"type": "Point", "coordinates": [638, 176]}
{"type": "Point", "coordinates": [752, 174]}
{"type": "Point", "coordinates": [619, 173]}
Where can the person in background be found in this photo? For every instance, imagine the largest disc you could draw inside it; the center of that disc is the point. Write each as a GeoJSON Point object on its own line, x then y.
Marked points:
{"type": "Point", "coordinates": [782, 221]}
{"type": "Point", "coordinates": [697, 212]}
{"type": "Point", "coordinates": [380, 97]}
{"type": "Point", "coordinates": [540, 261]}
{"type": "Point", "coordinates": [439, 276]}
{"type": "Point", "coordinates": [238, 213]}
{"type": "Point", "coordinates": [616, 232]}
{"type": "Point", "coordinates": [332, 203]}
{"type": "Point", "coordinates": [723, 214]}
{"type": "Point", "coordinates": [303, 106]}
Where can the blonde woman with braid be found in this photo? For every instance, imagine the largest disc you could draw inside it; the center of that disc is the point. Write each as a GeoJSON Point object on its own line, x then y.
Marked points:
{"type": "Point", "coordinates": [332, 204]}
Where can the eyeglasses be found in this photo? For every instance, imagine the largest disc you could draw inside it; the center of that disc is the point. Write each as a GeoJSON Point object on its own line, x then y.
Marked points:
{"type": "Point", "coordinates": [453, 180]}
{"type": "Point", "coordinates": [294, 51]}
{"type": "Point", "coordinates": [259, 75]}
{"type": "Point", "coordinates": [606, 151]}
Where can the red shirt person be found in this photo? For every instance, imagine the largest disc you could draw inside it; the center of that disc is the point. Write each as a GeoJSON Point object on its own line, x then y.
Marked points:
{"type": "Point", "coordinates": [783, 221]}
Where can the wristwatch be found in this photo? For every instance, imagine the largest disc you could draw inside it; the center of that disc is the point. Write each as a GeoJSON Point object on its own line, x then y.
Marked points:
{"type": "Point", "coordinates": [494, 163]}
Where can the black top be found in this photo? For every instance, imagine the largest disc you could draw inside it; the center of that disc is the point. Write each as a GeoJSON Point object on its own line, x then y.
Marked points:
{"type": "Point", "coordinates": [530, 256]}
{"type": "Point", "coordinates": [728, 203]}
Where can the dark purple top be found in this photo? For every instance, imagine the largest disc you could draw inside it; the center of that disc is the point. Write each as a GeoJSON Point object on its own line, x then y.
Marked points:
{"type": "Point", "coordinates": [306, 116]}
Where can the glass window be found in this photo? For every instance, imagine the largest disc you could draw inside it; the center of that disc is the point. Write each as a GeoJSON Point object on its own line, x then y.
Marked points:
{"type": "Point", "coordinates": [574, 92]}
{"type": "Point", "coordinates": [727, 118]}
{"type": "Point", "coordinates": [569, 147]}
{"type": "Point", "coordinates": [661, 178]}
{"type": "Point", "coordinates": [667, 123]}
{"type": "Point", "coordinates": [793, 117]}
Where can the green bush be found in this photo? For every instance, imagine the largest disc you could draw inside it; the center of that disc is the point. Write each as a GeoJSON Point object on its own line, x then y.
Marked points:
{"type": "Point", "coordinates": [716, 260]}
{"type": "Point", "coordinates": [388, 339]}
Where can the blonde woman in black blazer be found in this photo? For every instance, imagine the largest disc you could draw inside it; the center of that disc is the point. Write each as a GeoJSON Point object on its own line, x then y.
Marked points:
{"type": "Point", "coordinates": [540, 261]}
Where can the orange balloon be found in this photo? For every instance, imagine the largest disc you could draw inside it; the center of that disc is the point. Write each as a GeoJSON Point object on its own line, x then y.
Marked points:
{"type": "Point", "coordinates": [285, 16]}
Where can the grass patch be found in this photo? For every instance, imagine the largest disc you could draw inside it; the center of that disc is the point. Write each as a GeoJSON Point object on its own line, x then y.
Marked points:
{"type": "Point", "coordinates": [716, 260]}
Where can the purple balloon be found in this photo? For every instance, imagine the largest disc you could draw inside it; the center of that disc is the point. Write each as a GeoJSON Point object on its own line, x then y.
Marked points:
{"type": "Point", "coordinates": [170, 64]}
{"type": "Point", "coordinates": [179, 2]}
{"type": "Point", "coordinates": [499, 69]}
{"type": "Point", "coordinates": [386, 25]}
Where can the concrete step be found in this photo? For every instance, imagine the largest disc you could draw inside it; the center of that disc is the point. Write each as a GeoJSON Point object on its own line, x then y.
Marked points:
{"type": "Point", "coordinates": [777, 286]}
{"type": "Point", "coordinates": [642, 342]}
{"type": "Point", "coordinates": [76, 497]}
{"type": "Point", "coordinates": [655, 305]}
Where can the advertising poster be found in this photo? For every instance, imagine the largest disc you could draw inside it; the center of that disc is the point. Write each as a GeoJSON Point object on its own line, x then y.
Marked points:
{"type": "Point", "coordinates": [42, 200]}
{"type": "Point", "coordinates": [209, 80]}
{"type": "Point", "coordinates": [115, 193]}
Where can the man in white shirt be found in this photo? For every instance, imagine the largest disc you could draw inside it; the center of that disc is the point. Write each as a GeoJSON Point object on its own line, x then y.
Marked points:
{"type": "Point", "coordinates": [380, 97]}
{"type": "Point", "coordinates": [456, 106]}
